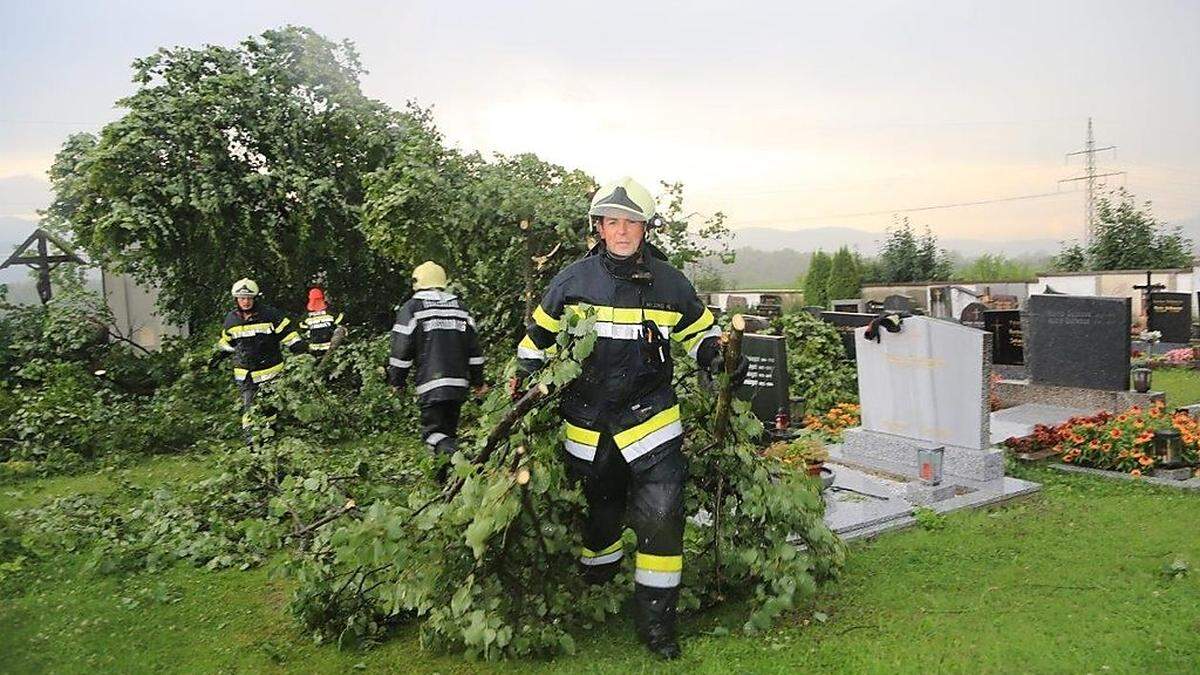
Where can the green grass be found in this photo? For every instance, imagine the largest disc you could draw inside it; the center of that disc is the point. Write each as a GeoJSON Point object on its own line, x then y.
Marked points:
{"type": "Point", "coordinates": [1070, 581]}
{"type": "Point", "coordinates": [1181, 385]}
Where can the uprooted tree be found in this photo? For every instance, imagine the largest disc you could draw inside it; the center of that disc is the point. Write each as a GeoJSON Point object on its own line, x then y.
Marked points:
{"type": "Point", "coordinates": [488, 565]}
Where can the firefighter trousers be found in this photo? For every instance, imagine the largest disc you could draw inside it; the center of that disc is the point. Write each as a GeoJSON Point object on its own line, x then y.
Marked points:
{"type": "Point", "coordinates": [650, 500]}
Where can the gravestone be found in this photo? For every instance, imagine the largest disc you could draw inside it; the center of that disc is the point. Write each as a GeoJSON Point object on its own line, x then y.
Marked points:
{"type": "Point", "coordinates": [855, 305]}
{"type": "Point", "coordinates": [1008, 342]}
{"type": "Point", "coordinates": [814, 310]}
{"type": "Point", "coordinates": [898, 303]}
{"type": "Point", "coordinates": [767, 384]}
{"type": "Point", "coordinates": [736, 302]}
{"type": "Point", "coordinates": [845, 323]}
{"type": "Point", "coordinates": [972, 315]}
{"type": "Point", "coordinates": [1171, 314]}
{"type": "Point", "coordinates": [926, 386]}
{"type": "Point", "coordinates": [1078, 341]}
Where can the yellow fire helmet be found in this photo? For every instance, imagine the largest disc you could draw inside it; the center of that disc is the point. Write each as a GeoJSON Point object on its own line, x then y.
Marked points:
{"type": "Point", "coordinates": [244, 288]}
{"type": "Point", "coordinates": [429, 275]}
{"type": "Point", "coordinates": [625, 198]}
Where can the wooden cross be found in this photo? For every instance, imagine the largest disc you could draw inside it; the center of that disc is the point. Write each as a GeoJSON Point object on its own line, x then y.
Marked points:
{"type": "Point", "coordinates": [43, 262]}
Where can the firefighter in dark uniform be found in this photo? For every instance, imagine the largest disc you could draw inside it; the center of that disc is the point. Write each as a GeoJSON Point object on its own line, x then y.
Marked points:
{"type": "Point", "coordinates": [319, 323]}
{"type": "Point", "coordinates": [254, 332]}
{"type": "Point", "coordinates": [435, 334]}
{"type": "Point", "coordinates": [623, 436]}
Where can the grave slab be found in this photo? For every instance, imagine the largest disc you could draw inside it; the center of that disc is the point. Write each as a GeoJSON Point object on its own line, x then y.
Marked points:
{"type": "Point", "coordinates": [865, 502]}
{"type": "Point", "coordinates": [1019, 421]}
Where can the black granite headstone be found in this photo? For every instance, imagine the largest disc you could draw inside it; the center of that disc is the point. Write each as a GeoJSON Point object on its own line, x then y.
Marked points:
{"type": "Point", "coordinates": [1078, 341]}
{"type": "Point", "coordinates": [1008, 341]}
{"type": "Point", "coordinates": [845, 323]}
{"type": "Point", "coordinates": [898, 303]}
{"type": "Point", "coordinates": [1171, 315]}
{"type": "Point", "coordinates": [766, 385]}
{"type": "Point", "coordinates": [972, 315]}
{"type": "Point", "coordinates": [814, 310]}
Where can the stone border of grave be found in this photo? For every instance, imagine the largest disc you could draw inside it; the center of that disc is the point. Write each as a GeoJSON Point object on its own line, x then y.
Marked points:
{"type": "Point", "coordinates": [895, 510]}
{"type": "Point", "coordinates": [1189, 484]}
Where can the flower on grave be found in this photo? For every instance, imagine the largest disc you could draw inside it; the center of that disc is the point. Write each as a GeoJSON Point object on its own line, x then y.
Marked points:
{"type": "Point", "coordinates": [1115, 433]}
{"type": "Point", "coordinates": [1138, 424]}
{"type": "Point", "coordinates": [1136, 473]}
{"type": "Point", "coordinates": [1145, 461]}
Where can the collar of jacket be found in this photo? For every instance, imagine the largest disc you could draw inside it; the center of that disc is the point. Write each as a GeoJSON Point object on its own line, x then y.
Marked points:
{"type": "Point", "coordinates": [632, 268]}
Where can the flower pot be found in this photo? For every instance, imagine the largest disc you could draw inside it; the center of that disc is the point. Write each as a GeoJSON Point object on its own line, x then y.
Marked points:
{"type": "Point", "coordinates": [814, 469]}
{"type": "Point", "coordinates": [1141, 380]}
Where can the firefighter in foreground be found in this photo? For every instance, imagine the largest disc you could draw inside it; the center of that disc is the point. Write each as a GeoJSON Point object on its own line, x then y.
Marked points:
{"type": "Point", "coordinates": [254, 332]}
{"type": "Point", "coordinates": [319, 323]}
{"type": "Point", "coordinates": [435, 334]}
{"type": "Point", "coordinates": [623, 433]}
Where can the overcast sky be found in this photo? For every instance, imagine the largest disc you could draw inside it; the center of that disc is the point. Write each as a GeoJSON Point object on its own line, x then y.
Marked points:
{"type": "Point", "coordinates": [783, 114]}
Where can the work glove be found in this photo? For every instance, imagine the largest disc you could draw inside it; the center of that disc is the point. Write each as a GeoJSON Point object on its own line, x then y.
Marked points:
{"type": "Point", "coordinates": [738, 376]}
{"type": "Point", "coordinates": [216, 359]}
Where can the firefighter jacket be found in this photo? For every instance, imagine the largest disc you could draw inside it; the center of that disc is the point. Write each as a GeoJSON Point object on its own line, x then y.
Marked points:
{"type": "Point", "coordinates": [318, 328]}
{"type": "Point", "coordinates": [625, 387]}
{"type": "Point", "coordinates": [255, 338]}
{"type": "Point", "coordinates": [435, 333]}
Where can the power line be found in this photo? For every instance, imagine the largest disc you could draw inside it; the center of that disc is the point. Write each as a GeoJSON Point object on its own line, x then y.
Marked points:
{"type": "Point", "coordinates": [915, 209]}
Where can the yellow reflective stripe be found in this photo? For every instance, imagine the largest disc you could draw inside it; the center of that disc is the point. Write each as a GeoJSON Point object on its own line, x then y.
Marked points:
{"type": "Point", "coordinates": [659, 563]}
{"type": "Point", "coordinates": [612, 548]}
{"type": "Point", "coordinates": [282, 324]}
{"type": "Point", "coordinates": [250, 328]}
{"type": "Point", "coordinates": [690, 343]}
{"type": "Point", "coordinates": [633, 434]}
{"type": "Point", "coordinates": [581, 435]}
{"type": "Point", "coordinates": [541, 318]}
{"type": "Point", "coordinates": [706, 319]}
{"type": "Point", "coordinates": [266, 373]}
{"type": "Point", "coordinates": [290, 338]}
{"type": "Point", "coordinates": [338, 320]}
{"type": "Point", "coordinates": [634, 315]}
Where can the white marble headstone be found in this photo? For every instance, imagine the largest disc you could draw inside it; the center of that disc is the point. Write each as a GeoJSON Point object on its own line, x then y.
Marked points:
{"type": "Point", "coordinates": [928, 382]}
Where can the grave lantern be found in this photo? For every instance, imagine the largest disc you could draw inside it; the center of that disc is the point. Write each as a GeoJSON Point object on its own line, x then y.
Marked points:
{"type": "Point", "coordinates": [1168, 447]}
{"type": "Point", "coordinates": [929, 465]}
{"type": "Point", "coordinates": [1141, 380]}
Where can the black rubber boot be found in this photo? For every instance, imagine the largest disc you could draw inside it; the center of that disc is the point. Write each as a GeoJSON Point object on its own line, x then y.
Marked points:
{"type": "Point", "coordinates": [654, 612]}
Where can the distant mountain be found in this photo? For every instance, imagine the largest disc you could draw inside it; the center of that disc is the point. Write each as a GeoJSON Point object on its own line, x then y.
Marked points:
{"type": "Point", "coordinates": [867, 243]}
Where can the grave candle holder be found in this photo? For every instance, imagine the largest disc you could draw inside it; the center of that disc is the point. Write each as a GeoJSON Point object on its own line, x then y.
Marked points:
{"type": "Point", "coordinates": [1168, 448]}
{"type": "Point", "coordinates": [929, 465]}
{"type": "Point", "coordinates": [1141, 380]}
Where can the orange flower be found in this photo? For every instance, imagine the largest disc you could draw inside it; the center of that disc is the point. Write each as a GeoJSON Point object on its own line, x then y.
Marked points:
{"type": "Point", "coordinates": [1145, 461]}
{"type": "Point", "coordinates": [1076, 438]}
{"type": "Point", "coordinates": [1122, 418]}
{"type": "Point", "coordinates": [1156, 412]}
{"type": "Point", "coordinates": [1115, 433]}
{"type": "Point", "coordinates": [1094, 445]}
{"type": "Point", "coordinates": [1138, 424]}
{"type": "Point", "coordinates": [1067, 458]}
{"type": "Point", "coordinates": [1107, 447]}
{"type": "Point", "coordinates": [1135, 473]}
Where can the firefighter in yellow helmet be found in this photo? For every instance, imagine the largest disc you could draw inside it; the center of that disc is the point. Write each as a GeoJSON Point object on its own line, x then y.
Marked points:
{"type": "Point", "coordinates": [624, 436]}
{"type": "Point", "coordinates": [434, 335]}
{"type": "Point", "coordinates": [254, 332]}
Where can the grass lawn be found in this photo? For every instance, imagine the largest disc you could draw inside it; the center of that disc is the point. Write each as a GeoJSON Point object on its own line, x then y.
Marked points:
{"type": "Point", "coordinates": [1070, 581]}
{"type": "Point", "coordinates": [1181, 385]}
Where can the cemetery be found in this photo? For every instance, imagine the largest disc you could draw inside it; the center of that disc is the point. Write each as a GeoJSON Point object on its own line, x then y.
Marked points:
{"type": "Point", "coordinates": [888, 462]}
